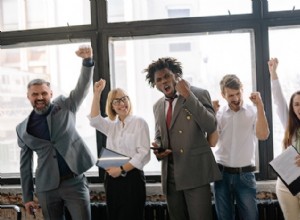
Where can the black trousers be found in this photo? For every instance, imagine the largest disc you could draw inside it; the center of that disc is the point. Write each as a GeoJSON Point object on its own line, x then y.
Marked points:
{"type": "Point", "coordinates": [126, 196]}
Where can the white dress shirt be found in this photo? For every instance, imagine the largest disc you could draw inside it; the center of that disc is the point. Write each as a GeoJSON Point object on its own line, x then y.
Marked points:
{"type": "Point", "coordinates": [131, 139]}
{"type": "Point", "coordinates": [167, 103]}
{"type": "Point", "coordinates": [237, 136]}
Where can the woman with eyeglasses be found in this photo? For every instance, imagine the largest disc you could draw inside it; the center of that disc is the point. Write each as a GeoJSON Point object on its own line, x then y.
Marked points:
{"type": "Point", "coordinates": [127, 134]}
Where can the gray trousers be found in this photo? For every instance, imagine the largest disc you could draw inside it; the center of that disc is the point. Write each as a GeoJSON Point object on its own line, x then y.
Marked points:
{"type": "Point", "coordinates": [72, 194]}
{"type": "Point", "coordinates": [189, 204]}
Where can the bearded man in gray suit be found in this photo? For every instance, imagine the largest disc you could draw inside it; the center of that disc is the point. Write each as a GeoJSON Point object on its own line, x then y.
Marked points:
{"type": "Point", "coordinates": [188, 164]}
{"type": "Point", "coordinates": [63, 157]}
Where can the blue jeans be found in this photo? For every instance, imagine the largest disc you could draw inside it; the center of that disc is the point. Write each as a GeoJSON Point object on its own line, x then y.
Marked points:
{"type": "Point", "coordinates": [239, 188]}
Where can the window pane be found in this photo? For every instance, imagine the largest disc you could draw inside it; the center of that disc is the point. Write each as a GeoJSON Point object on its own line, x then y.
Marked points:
{"type": "Point", "coordinates": [286, 5]}
{"type": "Point", "coordinates": [32, 14]}
{"type": "Point", "coordinates": [287, 52]}
{"type": "Point", "coordinates": [134, 10]}
{"type": "Point", "coordinates": [205, 59]}
{"type": "Point", "coordinates": [61, 67]}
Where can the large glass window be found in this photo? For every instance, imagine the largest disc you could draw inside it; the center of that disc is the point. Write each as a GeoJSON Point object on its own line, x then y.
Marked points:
{"type": "Point", "coordinates": [205, 59]}
{"type": "Point", "coordinates": [134, 10]}
{"type": "Point", "coordinates": [286, 5]}
{"type": "Point", "coordinates": [207, 50]}
{"type": "Point", "coordinates": [287, 52]}
{"type": "Point", "coordinates": [57, 64]}
{"type": "Point", "coordinates": [33, 14]}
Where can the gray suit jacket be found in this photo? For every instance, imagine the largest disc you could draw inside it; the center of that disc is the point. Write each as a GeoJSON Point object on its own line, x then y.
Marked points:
{"type": "Point", "coordinates": [193, 119]}
{"type": "Point", "coordinates": [64, 138]}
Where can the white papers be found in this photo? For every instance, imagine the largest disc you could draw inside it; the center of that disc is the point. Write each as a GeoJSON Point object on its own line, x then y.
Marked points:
{"type": "Point", "coordinates": [285, 165]}
{"type": "Point", "coordinates": [109, 158]}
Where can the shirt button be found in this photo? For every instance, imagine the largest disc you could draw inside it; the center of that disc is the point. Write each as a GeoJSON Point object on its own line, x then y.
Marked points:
{"type": "Point", "coordinates": [180, 132]}
{"type": "Point", "coordinates": [181, 151]}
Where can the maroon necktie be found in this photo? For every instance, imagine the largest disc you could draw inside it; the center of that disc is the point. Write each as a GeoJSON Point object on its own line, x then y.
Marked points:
{"type": "Point", "coordinates": [169, 112]}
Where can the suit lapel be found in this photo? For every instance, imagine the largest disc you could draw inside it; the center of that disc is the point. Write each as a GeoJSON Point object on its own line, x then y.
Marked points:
{"type": "Point", "coordinates": [28, 139]}
{"type": "Point", "coordinates": [162, 116]}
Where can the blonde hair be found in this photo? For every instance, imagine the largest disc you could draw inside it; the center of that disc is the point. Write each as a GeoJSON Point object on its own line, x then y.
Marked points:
{"type": "Point", "coordinates": [111, 113]}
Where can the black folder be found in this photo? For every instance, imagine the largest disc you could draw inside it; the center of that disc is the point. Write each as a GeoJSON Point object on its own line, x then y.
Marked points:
{"type": "Point", "coordinates": [110, 158]}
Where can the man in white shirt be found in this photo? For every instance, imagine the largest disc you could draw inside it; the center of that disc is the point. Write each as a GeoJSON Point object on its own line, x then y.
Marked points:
{"type": "Point", "coordinates": [239, 127]}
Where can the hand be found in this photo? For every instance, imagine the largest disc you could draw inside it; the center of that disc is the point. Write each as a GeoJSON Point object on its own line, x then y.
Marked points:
{"type": "Point", "coordinates": [31, 207]}
{"type": "Point", "coordinates": [84, 51]}
{"type": "Point", "coordinates": [256, 98]}
{"type": "Point", "coordinates": [216, 105]}
{"type": "Point", "coordinates": [99, 86]}
{"type": "Point", "coordinates": [114, 171]}
{"type": "Point", "coordinates": [160, 155]}
{"type": "Point", "coordinates": [182, 87]}
{"type": "Point", "coordinates": [273, 63]}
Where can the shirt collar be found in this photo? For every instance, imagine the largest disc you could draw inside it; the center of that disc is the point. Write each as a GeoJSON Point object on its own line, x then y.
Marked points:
{"type": "Point", "coordinates": [174, 97]}
{"type": "Point", "coordinates": [127, 119]}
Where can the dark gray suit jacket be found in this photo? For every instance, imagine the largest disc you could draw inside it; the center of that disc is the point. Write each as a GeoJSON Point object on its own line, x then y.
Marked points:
{"type": "Point", "coordinates": [64, 138]}
{"type": "Point", "coordinates": [193, 119]}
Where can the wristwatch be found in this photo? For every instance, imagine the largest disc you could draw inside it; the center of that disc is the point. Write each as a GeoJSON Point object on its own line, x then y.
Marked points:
{"type": "Point", "coordinates": [123, 172]}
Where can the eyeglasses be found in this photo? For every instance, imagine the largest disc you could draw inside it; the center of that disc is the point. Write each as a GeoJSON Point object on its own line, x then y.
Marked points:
{"type": "Point", "coordinates": [118, 101]}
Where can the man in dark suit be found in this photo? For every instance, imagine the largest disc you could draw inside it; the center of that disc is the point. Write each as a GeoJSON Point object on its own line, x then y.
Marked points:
{"type": "Point", "coordinates": [188, 164]}
{"type": "Point", "coordinates": [63, 157]}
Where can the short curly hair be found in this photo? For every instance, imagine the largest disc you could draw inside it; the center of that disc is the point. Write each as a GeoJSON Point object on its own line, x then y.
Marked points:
{"type": "Point", "coordinates": [162, 63]}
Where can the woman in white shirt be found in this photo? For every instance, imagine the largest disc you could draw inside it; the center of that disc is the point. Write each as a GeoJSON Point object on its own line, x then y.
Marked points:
{"type": "Point", "coordinates": [128, 135]}
{"type": "Point", "coordinates": [290, 119]}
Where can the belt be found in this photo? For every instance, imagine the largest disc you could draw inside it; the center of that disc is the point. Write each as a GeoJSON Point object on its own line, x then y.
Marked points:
{"type": "Point", "coordinates": [68, 176]}
{"type": "Point", "coordinates": [236, 170]}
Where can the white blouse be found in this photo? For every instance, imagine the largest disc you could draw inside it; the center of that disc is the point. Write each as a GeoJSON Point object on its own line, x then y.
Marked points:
{"type": "Point", "coordinates": [131, 139]}
{"type": "Point", "coordinates": [280, 102]}
{"type": "Point", "coordinates": [281, 105]}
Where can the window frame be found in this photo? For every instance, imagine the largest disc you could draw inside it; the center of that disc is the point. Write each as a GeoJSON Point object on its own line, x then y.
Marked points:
{"type": "Point", "coordinates": [100, 31]}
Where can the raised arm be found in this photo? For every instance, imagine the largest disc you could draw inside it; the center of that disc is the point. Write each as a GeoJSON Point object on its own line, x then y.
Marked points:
{"type": "Point", "coordinates": [262, 126]}
{"type": "Point", "coordinates": [98, 88]}
{"type": "Point", "coordinates": [277, 94]}
{"type": "Point", "coordinates": [78, 94]}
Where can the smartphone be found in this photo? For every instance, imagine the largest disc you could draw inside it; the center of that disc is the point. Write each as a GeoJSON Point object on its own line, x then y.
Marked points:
{"type": "Point", "coordinates": [159, 149]}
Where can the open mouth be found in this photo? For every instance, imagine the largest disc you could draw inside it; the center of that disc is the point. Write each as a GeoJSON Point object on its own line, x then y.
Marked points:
{"type": "Point", "coordinates": [235, 103]}
{"type": "Point", "coordinates": [167, 89]}
{"type": "Point", "coordinates": [40, 104]}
